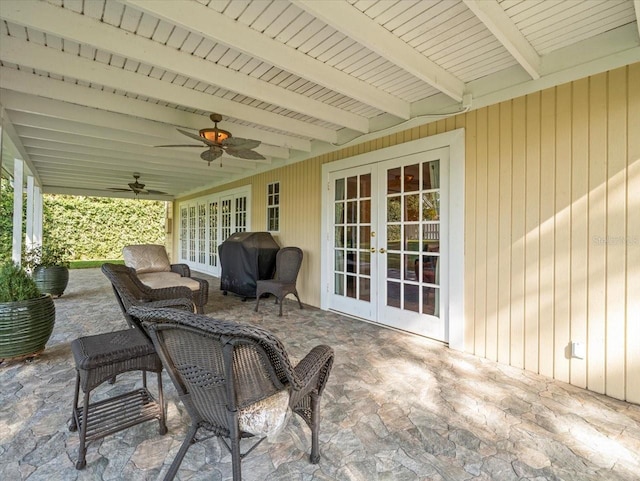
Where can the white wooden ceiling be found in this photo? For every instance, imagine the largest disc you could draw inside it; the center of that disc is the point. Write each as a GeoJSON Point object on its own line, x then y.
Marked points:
{"type": "Point", "coordinates": [89, 87]}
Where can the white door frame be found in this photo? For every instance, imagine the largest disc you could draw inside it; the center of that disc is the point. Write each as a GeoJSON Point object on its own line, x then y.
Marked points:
{"type": "Point", "coordinates": [455, 142]}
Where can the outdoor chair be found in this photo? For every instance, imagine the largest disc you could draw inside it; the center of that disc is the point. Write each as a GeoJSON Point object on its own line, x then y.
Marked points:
{"type": "Point", "coordinates": [102, 357]}
{"type": "Point", "coordinates": [235, 380]}
{"type": "Point", "coordinates": [288, 262]}
{"type": "Point", "coordinates": [130, 291]}
{"type": "Point", "coordinates": [152, 266]}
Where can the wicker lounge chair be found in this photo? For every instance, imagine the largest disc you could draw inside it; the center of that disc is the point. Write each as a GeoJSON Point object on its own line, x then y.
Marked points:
{"type": "Point", "coordinates": [288, 262]}
{"type": "Point", "coordinates": [130, 291]}
{"type": "Point", "coordinates": [153, 269]}
{"type": "Point", "coordinates": [230, 376]}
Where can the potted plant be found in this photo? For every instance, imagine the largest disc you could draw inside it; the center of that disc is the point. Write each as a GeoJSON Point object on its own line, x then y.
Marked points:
{"type": "Point", "coordinates": [49, 267]}
{"type": "Point", "coordinates": [26, 315]}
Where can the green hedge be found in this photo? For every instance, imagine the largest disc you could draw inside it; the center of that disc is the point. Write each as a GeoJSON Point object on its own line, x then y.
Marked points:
{"type": "Point", "coordinates": [99, 227]}
{"type": "Point", "coordinates": [93, 227]}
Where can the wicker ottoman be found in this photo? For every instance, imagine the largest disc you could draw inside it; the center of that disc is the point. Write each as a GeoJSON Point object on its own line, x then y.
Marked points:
{"type": "Point", "coordinates": [101, 358]}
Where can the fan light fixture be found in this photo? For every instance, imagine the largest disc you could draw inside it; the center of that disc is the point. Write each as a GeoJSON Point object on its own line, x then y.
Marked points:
{"type": "Point", "coordinates": [215, 134]}
{"type": "Point", "coordinates": [218, 141]}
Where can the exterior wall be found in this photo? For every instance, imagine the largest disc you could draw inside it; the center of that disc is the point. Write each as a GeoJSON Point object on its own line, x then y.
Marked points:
{"type": "Point", "coordinates": [552, 228]}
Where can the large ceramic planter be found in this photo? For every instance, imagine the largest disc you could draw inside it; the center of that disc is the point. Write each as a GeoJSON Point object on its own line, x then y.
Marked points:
{"type": "Point", "coordinates": [52, 280]}
{"type": "Point", "coordinates": [25, 326]}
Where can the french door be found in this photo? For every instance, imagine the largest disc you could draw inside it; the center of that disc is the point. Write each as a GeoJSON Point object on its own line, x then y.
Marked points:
{"type": "Point", "coordinates": [387, 242]}
{"type": "Point", "coordinates": [206, 222]}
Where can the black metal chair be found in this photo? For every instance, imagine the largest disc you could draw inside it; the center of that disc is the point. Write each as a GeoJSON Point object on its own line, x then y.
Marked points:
{"type": "Point", "coordinates": [288, 262]}
{"type": "Point", "coordinates": [223, 370]}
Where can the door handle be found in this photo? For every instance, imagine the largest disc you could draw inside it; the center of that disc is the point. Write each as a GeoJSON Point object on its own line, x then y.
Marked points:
{"type": "Point", "coordinates": [382, 250]}
{"type": "Point", "coordinates": [373, 249]}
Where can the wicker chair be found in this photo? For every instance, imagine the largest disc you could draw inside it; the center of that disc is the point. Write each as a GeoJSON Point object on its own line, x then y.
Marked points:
{"type": "Point", "coordinates": [130, 291]}
{"type": "Point", "coordinates": [223, 370]}
{"type": "Point", "coordinates": [288, 262]}
{"type": "Point", "coordinates": [153, 269]}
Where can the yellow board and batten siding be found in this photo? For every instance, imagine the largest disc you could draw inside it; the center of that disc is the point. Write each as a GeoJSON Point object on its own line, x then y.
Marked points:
{"type": "Point", "coordinates": [552, 228]}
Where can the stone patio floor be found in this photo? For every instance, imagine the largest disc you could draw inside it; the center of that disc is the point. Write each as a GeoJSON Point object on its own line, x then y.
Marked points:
{"type": "Point", "coordinates": [397, 407]}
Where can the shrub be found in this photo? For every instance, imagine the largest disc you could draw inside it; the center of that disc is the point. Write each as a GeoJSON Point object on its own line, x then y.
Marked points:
{"type": "Point", "coordinates": [16, 284]}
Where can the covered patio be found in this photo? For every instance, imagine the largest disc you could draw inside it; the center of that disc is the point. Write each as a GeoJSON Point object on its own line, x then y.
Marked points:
{"type": "Point", "coordinates": [397, 407]}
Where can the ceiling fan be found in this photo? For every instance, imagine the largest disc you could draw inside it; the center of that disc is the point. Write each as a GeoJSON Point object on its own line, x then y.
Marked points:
{"type": "Point", "coordinates": [137, 188]}
{"type": "Point", "coordinates": [219, 141]}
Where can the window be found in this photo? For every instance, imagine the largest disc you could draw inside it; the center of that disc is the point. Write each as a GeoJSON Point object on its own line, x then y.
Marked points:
{"type": "Point", "coordinates": [273, 207]}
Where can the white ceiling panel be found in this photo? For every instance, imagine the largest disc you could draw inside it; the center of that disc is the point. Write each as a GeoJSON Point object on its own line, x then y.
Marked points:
{"type": "Point", "coordinates": [91, 86]}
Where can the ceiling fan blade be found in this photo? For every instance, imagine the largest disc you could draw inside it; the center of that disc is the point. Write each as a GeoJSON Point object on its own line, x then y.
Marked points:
{"type": "Point", "coordinates": [180, 145]}
{"type": "Point", "coordinates": [238, 143]}
{"type": "Point", "coordinates": [197, 137]}
{"type": "Point", "coordinates": [211, 154]}
{"type": "Point", "coordinates": [156, 192]}
{"type": "Point", "coordinates": [245, 154]}
{"type": "Point", "coordinates": [118, 189]}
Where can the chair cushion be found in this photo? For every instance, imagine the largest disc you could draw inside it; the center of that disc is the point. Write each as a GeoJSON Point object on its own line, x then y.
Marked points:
{"type": "Point", "coordinates": [158, 280]}
{"type": "Point", "coordinates": [266, 417]}
{"type": "Point", "coordinates": [146, 258]}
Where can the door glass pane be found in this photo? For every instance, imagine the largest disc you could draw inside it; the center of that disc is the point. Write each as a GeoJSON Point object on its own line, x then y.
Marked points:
{"type": "Point", "coordinates": [431, 206]}
{"type": "Point", "coordinates": [393, 266]}
{"type": "Point", "coordinates": [365, 185]}
{"type": "Point", "coordinates": [339, 284]}
{"type": "Point", "coordinates": [365, 289]}
{"type": "Point", "coordinates": [430, 301]}
{"type": "Point", "coordinates": [351, 262]}
{"type": "Point", "coordinates": [352, 187]}
{"type": "Point", "coordinates": [339, 195]}
{"type": "Point", "coordinates": [352, 232]}
{"type": "Point", "coordinates": [393, 209]}
{"type": "Point", "coordinates": [394, 181]}
{"type": "Point", "coordinates": [365, 263]}
{"type": "Point", "coordinates": [430, 266]}
{"type": "Point", "coordinates": [352, 212]}
{"type": "Point", "coordinates": [412, 237]}
{"type": "Point", "coordinates": [339, 261]}
{"type": "Point", "coordinates": [351, 286]}
{"type": "Point", "coordinates": [365, 237]}
{"type": "Point", "coordinates": [393, 294]}
{"type": "Point", "coordinates": [412, 297]}
{"type": "Point", "coordinates": [412, 208]}
{"type": "Point", "coordinates": [431, 175]}
{"type": "Point", "coordinates": [365, 211]}
{"type": "Point", "coordinates": [339, 236]}
{"type": "Point", "coordinates": [431, 237]}
{"type": "Point", "coordinates": [339, 213]}
{"type": "Point", "coordinates": [410, 267]}
{"type": "Point", "coordinates": [411, 178]}
{"type": "Point", "coordinates": [393, 237]}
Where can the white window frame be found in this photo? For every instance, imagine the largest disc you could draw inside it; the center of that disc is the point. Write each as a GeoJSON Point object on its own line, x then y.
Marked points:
{"type": "Point", "coordinates": [273, 206]}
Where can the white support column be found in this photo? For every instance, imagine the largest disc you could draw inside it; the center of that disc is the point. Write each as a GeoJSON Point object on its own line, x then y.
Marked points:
{"type": "Point", "coordinates": [37, 216]}
{"type": "Point", "coordinates": [18, 170]}
{"type": "Point", "coordinates": [30, 211]}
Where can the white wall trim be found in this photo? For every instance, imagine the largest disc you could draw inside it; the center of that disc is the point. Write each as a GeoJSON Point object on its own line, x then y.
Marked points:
{"type": "Point", "coordinates": [455, 142]}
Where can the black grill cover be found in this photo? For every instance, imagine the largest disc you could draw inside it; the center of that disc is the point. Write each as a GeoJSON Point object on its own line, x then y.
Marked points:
{"type": "Point", "coordinates": [246, 257]}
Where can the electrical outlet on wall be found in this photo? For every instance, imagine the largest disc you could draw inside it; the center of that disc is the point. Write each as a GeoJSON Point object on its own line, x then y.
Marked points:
{"type": "Point", "coordinates": [578, 350]}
